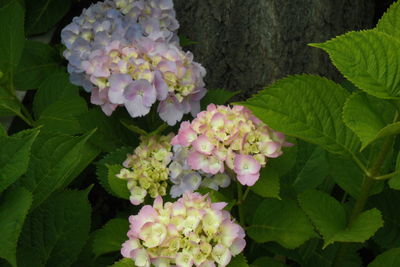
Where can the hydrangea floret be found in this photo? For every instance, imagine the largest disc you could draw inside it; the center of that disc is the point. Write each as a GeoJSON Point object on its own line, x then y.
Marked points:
{"type": "Point", "coordinates": [232, 137]}
{"type": "Point", "coordinates": [192, 231]}
{"type": "Point", "coordinates": [127, 54]}
{"type": "Point", "coordinates": [146, 170]}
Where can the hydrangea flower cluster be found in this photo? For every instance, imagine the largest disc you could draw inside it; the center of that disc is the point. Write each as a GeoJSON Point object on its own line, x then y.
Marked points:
{"type": "Point", "coordinates": [126, 53]}
{"type": "Point", "coordinates": [229, 136]}
{"type": "Point", "coordinates": [190, 231]}
{"type": "Point", "coordinates": [146, 170]}
{"type": "Point", "coordinates": [185, 178]}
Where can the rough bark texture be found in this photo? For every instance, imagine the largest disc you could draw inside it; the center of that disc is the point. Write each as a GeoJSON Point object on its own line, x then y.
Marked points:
{"type": "Point", "coordinates": [246, 45]}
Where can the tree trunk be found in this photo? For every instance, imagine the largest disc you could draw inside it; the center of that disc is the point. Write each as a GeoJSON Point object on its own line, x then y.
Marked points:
{"type": "Point", "coordinates": [246, 45]}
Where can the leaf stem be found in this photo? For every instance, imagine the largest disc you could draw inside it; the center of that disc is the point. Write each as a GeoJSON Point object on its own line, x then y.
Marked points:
{"type": "Point", "coordinates": [386, 176]}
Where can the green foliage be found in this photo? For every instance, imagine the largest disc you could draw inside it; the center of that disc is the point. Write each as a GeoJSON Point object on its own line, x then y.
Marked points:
{"type": "Point", "coordinates": [217, 97]}
{"type": "Point", "coordinates": [268, 184]}
{"type": "Point", "coordinates": [13, 210]}
{"type": "Point", "coordinates": [38, 61]}
{"type": "Point", "coordinates": [390, 21]}
{"type": "Point", "coordinates": [111, 236]}
{"type": "Point", "coordinates": [125, 262]}
{"type": "Point", "coordinates": [42, 15]}
{"type": "Point", "coordinates": [273, 221]}
{"type": "Point", "coordinates": [390, 258]}
{"type": "Point", "coordinates": [368, 59]}
{"type": "Point", "coordinates": [15, 156]}
{"type": "Point", "coordinates": [267, 261]}
{"type": "Point", "coordinates": [329, 217]}
{"type": "Point", "coordinates": [395, 181]}
{"type": "Point", "coordinates": [9, 104]}
{"type": "Point", "coordinates": [56, 231]}
{"type": "Point", "coordinates": [307, 107]}
{"type": "Point", "coordinates": [238, 261]}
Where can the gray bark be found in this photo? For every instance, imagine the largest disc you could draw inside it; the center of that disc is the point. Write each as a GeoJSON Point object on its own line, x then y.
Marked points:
{"type": "Point", "coordinates": [246, 45]}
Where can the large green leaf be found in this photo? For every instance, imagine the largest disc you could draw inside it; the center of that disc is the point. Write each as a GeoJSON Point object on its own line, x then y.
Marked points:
{"type": "Point", "coordinates": [13, 210]}
{"type": "Point", "coordinates": [14, 156]}
{"type": "Point", "coordinates": [55, 87]}
{"type": "Point", "coordinates": [217, 97]}
{"type": "Point", "coordinates": [390, 21]}
{"type": "Point", "coordinates": [369, 117]}
{"type": "Point", "coordinates": [268, 183]}
{"type": "Point", "coordinates": [54, 159]}
{"type": "Point", "coordinates": [238, 261]}
{"type": "Point", "coordinates": [394, 182]}
{"type": "Point", "coordinates": [9, 104]}
{"type": "Point", "coordinates": [111, 236]}
{"type": "Point", "coordinates": [329, 217]}
{"type": "Point", "coordinates": [38, 61]}
{"type": "Point", "coordinates": [307, 107]}
{"type": "Point", "coordinates": [42, 15]}
{"type": "Point", "coordinates": [390, 258]}
{"type": "Point", "coordinates": [115, 158]}
{"type": "Point", "coordinates": [56, 231]}
{"type": "Point", "coordinates": [313, 173]}
{"type": "Point", "coordinates": [287, 160]}
{"type": "Point", "coordinates": [273, 221]}
{"type": "Point", "coordinates": [267, 261]}
{"type": "Point", "coordinates": [12, 36]}
{"type": "Point", "coordinates": [369, 59]}
{"type": "Point", "coordinates": [62, 115]}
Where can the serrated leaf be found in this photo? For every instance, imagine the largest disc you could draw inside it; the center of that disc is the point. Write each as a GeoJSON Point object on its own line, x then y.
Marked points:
{"type": "Point", "coordinates": [390, 258]}
{"type": "Point", "coordinates": [113, 158]}
{"type": "Point", "coordinates": [38, 61]}
{"type": "Point", "coordinates": [369, 59]}
{"type": "Point", "coordinates": [110, 237]}
{"type": "Point", "coordinates": [13, 210]}
{"type": "Point", "coordinates": [313, 173]}
{"type": "Point", "coordinates": [9, 105]}
{"type": "Point", "coordinates": [55, 232]}
{"type": "Point", "coordinates": [62, 115]}
{"type": "Point", "coordinates": [117, 185]}
{"type": "Point", "coordinates": [217, 97]}
{"type": "Point", "coordinates": [329, 217]}
{"type": "Point", "coordinates": [267, 261]}
{"type": "Point", "coordinates": [273, 221]}
{"type": "Point", "coordinates": [394, 182]}
{"type": "Point", "coordinates": [268, 185]}
{"type": "Point", "coordinates": [55, 87]}
{"type": "Point", "coordinates": [42, 15]}
{"type": "Point", "coordinates": [125, 262]}
{"type": "Point", "coordinates": [54, 159]}
{"type": "Point", "coordinates": [368, 117]}
{"type": "Point", "coordinates": [307, 107]}
{"type": "Point", "coordinates": [390, 21]}
{"type": "Point", "coordinates": [12, 36]}
{"type": "Point", "coordinates": [14, 157]}
{"type": "Point", "coordinates": [238, 261]}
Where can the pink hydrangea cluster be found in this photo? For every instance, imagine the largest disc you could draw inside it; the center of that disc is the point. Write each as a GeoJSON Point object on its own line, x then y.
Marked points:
{"type": "Point", "coordinates": [126, 52]}
{"type": "Point", "coordinates": [190, 231]}
{"type": "Point", "coordinates": [232, 137]}
{"type": "Point", "coordinates": [146, 170]}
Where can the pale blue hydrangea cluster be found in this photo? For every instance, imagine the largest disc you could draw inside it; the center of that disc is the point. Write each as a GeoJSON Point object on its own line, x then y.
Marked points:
{"type": "Point", "coordinates": [126, 53]}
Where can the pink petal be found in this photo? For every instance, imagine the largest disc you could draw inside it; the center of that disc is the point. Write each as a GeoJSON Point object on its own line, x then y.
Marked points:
{"type": "Point", "coordinates": [248, 179]}
{"type": "Point", "coordinates": [246, 164]}
{"type": "Point", "coordinates": [203, 145]}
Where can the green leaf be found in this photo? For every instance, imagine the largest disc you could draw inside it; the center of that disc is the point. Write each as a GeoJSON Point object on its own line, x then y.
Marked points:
{"type": "Point", "coordinates": [38, 61]}
{"type": "Point", "coordinates": [369, 59]}
{"type": "Point", "coordinates": [55, 87]}
{"type": "Point", "coordinates": [9, 105]}
{"type": "Point", "coordinates": [313, 173]}
{"type": "Point", "coordinates": [54, 159]}
{"type": "Point", "coordinates": [329, 217]}
{"type": "Point", "coordinates": [218, 196]}
{"type": "Point", "coordinates": [267, 261]}
{"type": "Point", "coordinates": [3, 131]}
{"type": "Point", "coordinates": [55, 232]}
{"type": "Point", "coordinates": [394, 182]}
{"type": "Point", "coordinates": [367, 116]}
{"type": "Point", "coordinates": [14, 156]}
{"type": "Point", "coordinates": [307, 107]}
{"type": "Point", "coordinates": [390, 258]}
{"type": "Point", "coordinates": [117, 185]}
{"type": "Point", "coordinates": [13, 210]}
{"type": "Point", "coordinates": [125, 262]}
{"type": "Point", "coordinates": [12, 35]}
{"type": "Point", "coordinates": [111, 236]}
{"type": "Point", "coordinates": [390, 21]}
{"type": "Point", "coordinates": [273, 221]}
{"type": "Point", "coordinates": [284, 163]}
{"type": "Point", "coordinates": [62, 115]}
{"type": "Point", "coordinates": [268, 184]}
{"type": "Point", "coordinates": [114, 158]}
{"type": "Point", "coordinates": [217, 97]}
{"type": "Point", "coordinates": [238, 261]}
{"type": "Point", "coordinates": [42, 15]}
